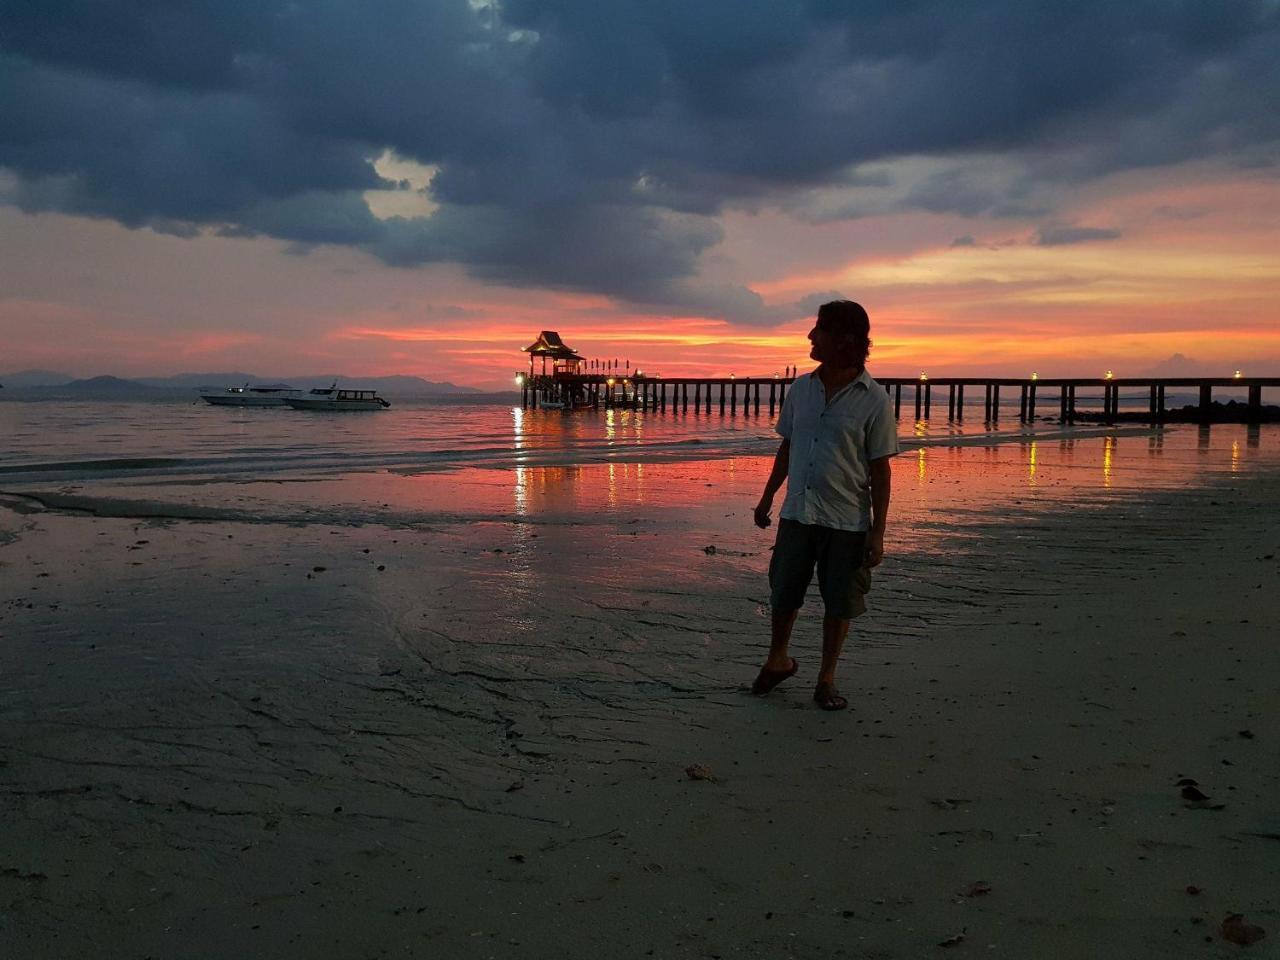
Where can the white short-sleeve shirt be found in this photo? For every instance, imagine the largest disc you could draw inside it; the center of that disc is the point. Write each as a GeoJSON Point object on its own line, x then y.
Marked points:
{"type": "Point", "coordinates": [832, 445]}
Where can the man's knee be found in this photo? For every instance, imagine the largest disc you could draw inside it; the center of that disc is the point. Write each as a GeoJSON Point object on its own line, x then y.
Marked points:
{"type": "Point", "coordinates": [847, 607]}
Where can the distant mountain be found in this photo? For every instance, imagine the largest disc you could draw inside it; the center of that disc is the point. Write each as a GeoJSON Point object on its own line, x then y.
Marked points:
{"type": "Point", "coordinates": [397, 386]}
{"type": "Point", "coordinates": [93, 388]}
{"type": "Point", "coordinates": [33, 378]}
{"type": "Point", "coordinates": [104, 384]}
{"type": "Point", "coordinates": [184, 381]}
{"type": "Point", "coordinates": [392, 386]}
{"type": "Point", "coordinates": [46, 385]}
{"type": "Point", "coordinates": [1180, 365]}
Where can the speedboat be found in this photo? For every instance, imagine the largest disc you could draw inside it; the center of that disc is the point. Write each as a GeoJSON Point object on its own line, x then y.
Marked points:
{"type": "Point", "coordinates": [248, 396]}
{"type": "Point", "coordinates": [575, 404]}
{"type": "Point", "coordinates": [335, 398]}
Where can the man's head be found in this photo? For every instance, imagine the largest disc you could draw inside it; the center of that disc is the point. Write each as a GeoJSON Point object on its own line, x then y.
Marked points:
{"type": "Point", "coordinates": [842, 334]}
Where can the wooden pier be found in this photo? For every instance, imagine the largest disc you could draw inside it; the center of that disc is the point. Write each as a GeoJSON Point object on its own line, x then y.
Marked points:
{"type": "Point", "coordinates": [574, 382]}
{"type": "Point", "coordinates": [756, 395]}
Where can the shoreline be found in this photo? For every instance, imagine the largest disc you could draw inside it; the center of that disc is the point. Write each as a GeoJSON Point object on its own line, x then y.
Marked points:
{"type": "Point", "coordinates": [456, 781]}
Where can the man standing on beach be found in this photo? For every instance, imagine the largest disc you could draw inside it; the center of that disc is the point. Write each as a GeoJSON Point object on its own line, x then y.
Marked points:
{"type": "Point", "coordinates": [838, 433]}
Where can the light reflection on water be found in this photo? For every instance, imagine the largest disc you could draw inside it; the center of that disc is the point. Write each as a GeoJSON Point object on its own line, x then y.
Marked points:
{"type": "Point", "coordinates": [1081, 471]}
{"type": "Point", "coordinates": [583, 501]}
{"type": "Point", "coordinates": [591, 466]}
{"type": "Point", "coordinates": [421, 435]}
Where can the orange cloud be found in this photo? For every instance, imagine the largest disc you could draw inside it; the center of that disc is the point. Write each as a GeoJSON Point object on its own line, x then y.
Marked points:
{"type": "Point", "coordinates": [1192, 271]}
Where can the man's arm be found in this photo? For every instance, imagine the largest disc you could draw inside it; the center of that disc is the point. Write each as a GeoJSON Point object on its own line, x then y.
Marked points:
{"type": "Point", "coordinates": [881, 481]}
{"type": "Point", "coordinates": [776, 476]}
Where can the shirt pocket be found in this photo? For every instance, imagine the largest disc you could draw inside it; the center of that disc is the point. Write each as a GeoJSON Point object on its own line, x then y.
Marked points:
{"type": "Point", "coordinates": [847, 417]}
{"type": "Point", "coordinates": [847, 432]}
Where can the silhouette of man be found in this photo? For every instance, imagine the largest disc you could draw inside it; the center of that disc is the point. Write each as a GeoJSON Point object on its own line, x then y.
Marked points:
{"type": "Point", "coordinates": [838, 435]}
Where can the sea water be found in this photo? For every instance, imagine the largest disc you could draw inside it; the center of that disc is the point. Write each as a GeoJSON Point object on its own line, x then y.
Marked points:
{"type": "Point", "coordinates": [697, 474]}
{"type": "Point", "coordinates": [94, 440]}
{"type": "Point", "coordinates": [472, 554]}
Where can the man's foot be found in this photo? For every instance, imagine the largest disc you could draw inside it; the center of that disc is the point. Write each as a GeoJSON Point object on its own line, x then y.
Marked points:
{"type": "Point", "coordinates": [768, 679]}
{"type": "Point", "coordinates": [826, 696]}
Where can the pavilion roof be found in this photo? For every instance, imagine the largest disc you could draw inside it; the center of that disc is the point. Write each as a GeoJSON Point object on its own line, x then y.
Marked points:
{"type": "Point", "coordinates": [549, 344]}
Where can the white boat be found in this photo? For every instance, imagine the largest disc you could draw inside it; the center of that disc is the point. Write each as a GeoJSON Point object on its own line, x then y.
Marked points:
{"type": "Point", "coordinates": [578, 404]}
{"type": "Point", "coordinates": [334, 398]}
{"type": "Point", "coordinates": [248, 396]}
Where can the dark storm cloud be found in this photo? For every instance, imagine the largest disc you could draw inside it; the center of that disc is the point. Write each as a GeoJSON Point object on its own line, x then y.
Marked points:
{"type": "Point", "coordinates": [591, 146]}
{"type": "Point", "coordinates": [1061, 234]}
{"type": "Point", "coordinates": [956, 191]}
{"type": "Point", "coordinates": [133, 152]}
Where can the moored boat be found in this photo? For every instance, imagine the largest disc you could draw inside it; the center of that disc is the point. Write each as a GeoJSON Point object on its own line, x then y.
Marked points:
{"type": "Point", "coordinates": [335, 398]}
{"type": "Point", "coordinates": [248, 396]}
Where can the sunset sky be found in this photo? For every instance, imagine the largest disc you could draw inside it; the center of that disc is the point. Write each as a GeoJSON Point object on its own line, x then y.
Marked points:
{"type": "Point", "coordinates": [420, 186]}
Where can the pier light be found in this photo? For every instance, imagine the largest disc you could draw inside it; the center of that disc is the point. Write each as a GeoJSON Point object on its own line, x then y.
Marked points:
{"type": "Point", "coordinates": [519, 379]}
{"type": "Point", "coordinates": [1110, 375]}
{"type": "Point", "coordinates": [1035, 376]}
{"type": "Point", "coordinates": [923, 376]}
{"type": "Point", "coordinates": [610, 381]}
{"type": "Point", "coordinates": [1239, 374]}
{"type": "Point", "coordinates": [733, 376]}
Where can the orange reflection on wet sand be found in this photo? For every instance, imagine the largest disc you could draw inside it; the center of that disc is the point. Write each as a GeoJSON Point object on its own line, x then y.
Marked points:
{"type": "Point", "coordinates": [948, 486]}
{"type": "Point", "coordinates": [670, 508]}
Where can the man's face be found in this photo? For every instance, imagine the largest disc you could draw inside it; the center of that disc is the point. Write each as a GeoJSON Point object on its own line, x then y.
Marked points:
{"type": "Point", "coordinates": [828, 347]}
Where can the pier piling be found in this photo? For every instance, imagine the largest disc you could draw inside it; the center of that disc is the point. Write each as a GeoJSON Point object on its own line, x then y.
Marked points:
{"type": "Point", "coordinates": [653, 394]}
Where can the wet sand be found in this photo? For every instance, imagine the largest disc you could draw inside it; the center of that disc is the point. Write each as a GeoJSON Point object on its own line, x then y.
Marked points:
{"type": "Point", "coordinates": [470, 738]}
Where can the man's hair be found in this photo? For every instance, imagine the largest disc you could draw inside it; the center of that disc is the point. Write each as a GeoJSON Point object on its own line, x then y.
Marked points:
{"type": "Point", "coordinates": [849, 320]}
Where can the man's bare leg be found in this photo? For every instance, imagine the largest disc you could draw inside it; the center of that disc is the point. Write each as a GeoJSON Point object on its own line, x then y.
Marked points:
{"type": "Point", "coordinates": [777, 666]}
{"type": "Point", "coordinates": [834, 631]}
{"type": "Point", "coordinates": [780, 638]}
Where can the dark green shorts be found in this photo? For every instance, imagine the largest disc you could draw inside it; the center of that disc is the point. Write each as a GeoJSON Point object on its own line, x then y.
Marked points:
{"type": "Point", "coordinates": [840, 557]}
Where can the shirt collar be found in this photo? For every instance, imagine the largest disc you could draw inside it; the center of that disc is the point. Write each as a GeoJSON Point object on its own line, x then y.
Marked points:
{"type": "Point", "coordinates": [863, 378]}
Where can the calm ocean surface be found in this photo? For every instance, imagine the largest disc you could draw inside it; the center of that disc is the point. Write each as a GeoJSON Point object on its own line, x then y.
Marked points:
{"type": "Point", "coordinates": [84, 440]}
{"type": "Point", "coordinates": [199, 438]}
{"type": "Point", "coordinates": [493, 459]}
{"type": "Point", "coordinates": [492, 523]}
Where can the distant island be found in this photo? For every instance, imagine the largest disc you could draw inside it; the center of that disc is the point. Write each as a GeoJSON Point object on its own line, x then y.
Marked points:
{"type": "Point", "coordinates": [1233, 411]}
{"type": "Point", "coordinates": [50, 385]}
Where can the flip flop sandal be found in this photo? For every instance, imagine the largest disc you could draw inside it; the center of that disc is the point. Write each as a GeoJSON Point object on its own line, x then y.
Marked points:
{"type": "Point", "coordinates": [768, 679]}
{"type": "Point", "coordinates": [827, 697]}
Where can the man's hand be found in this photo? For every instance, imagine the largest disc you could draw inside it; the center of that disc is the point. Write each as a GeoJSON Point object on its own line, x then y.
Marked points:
{"type": "Point", "coordinates": [762, 512]}
{"type": "Point", "coordinates": [776, 478]}
{"type": "Point", "coordinates": [875, 549]}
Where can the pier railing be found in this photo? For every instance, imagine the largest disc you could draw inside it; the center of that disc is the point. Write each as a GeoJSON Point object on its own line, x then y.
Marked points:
{"type": "Point", "coordinates": [752, 394]}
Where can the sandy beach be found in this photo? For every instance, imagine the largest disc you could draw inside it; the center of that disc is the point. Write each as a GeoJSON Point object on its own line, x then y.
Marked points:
{"type": "Point", "coordinates": [232, 732]}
